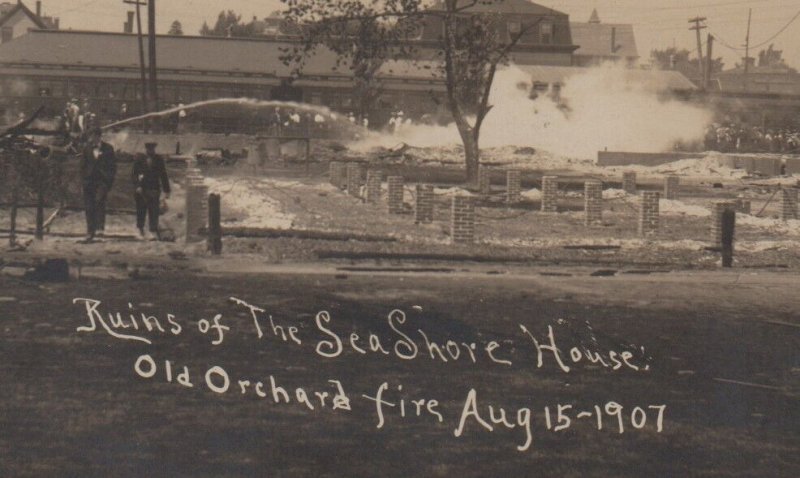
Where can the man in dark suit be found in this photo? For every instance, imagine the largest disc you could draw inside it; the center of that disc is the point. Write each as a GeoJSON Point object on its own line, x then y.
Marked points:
{"type": "Point", "coordinates": [98, 169]}
{"type": "Point", "coordinates": [149, 179]}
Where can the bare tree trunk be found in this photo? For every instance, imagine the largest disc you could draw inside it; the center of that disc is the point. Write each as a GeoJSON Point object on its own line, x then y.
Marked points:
{"type": "Point", "coordinates": [468, 135]}
{"type": "Point", "coordinates": [472, 153]}
{"type": "Point", "coordinates": [364, 101]}
{"type": "Point", "coordinates": [366, 89]}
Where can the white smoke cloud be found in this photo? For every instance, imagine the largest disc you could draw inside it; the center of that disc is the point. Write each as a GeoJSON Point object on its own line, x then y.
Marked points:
{"type": "Point", "coordinates": [607, 108]}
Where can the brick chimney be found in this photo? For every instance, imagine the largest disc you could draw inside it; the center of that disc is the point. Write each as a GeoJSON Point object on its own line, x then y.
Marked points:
{"type": "Point", "coordinates": [614, 40]}
{"type": "Point", "coordinates": [39, 8]}
{"type": "Point", "coordinates": [128, 28]}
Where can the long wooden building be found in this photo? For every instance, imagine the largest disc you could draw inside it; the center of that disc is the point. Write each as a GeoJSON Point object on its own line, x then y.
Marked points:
{"type": "Point", "coordinates": [52, 67]}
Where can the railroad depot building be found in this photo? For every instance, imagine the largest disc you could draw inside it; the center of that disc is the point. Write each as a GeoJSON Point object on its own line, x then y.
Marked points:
{"type": "Point", "coordinates": [50, 66]}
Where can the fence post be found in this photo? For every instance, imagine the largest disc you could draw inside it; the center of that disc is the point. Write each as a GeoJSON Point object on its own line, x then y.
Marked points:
{"type": "Point", "coordinates": [338, 174]}
{"type": "Point", "coordinates": [593, 202]}
{"type": "Point", "coordinates": [649, 213]}
{"type": "Point", "coordinates": [629, 182]}
{"type": "Point", "coordinates": [214, 224]}
{"type": "Point", "coordinates": [12, 235]}
{"type": "Point", "coordinates": [354, 174]}
{"type": "Point", "coordinates": [718, 209]}
{"type": "Point", "coordinates": [395, 185]}
{"type": "Point", "coordinates": [672, 186]}
{"type": "Point", "coordinates": [550, 194]}
{"type": "Point", "coordinates": [513, 186]}
{"type": "Point", "coordinates": [374, 178]}
{"type": "Point", "coordinates": [195, 205]}
{"type": "Point", "coordinates": [462, 220]}
{"type": "Point", "coordinates": [728, 226]}
{"type": "Point", "coordinates": [423, 210]}
{"type": "Point", "coordinates": [39, 212]}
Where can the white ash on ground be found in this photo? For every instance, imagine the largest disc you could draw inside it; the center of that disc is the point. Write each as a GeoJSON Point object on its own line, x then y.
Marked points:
{"type": "Point", "coordinates": [250, 199]}
{"type": "Point", "coordinates": [249, 202]}
{"type": "Point", "coordinates": [712, 166]}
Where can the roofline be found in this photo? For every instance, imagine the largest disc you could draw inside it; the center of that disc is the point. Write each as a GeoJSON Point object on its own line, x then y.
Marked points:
{"type": "Point", "coordinates": [208, 76]}
{"type": "Point", "coordinates": [21, 6]}
{"type": "Point", "coordinates": [288, 39]}
{"type": "Point", "coordinates": [266, 39]}
{"type": "Point", "coordinates": [613, 55]}
{"type": "Point", "coordinates": [553, 12]}
{"type": "Point", "coordinates": [603, 24]}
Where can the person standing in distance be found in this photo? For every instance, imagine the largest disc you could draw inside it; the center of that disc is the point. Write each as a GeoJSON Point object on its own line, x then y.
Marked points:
{"type": "Point", "coordinates": [98, 169]}
{"type": "Point", "coordinates": [149, 179]}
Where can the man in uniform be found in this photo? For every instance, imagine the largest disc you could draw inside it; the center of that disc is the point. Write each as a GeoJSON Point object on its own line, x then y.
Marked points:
{"type": "Point", "coordinates": [149, 179]}
{"type": "Point", "coordinates": [98, 169]}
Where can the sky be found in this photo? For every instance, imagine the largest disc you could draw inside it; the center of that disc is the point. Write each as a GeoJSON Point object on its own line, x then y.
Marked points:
{"type": "Point", "coordinates": [657, 23]}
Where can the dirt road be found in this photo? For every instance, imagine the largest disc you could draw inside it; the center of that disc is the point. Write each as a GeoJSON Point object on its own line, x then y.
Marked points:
{"type": "Point", "coordinates": [668, 374]}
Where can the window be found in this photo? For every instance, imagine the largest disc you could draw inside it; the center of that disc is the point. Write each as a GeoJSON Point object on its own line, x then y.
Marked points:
{"type": "Point", "coordinates": [529, 31]}
{"type": "Point", "coordinates": [546, 33]}
{"type": "Point", "coordinates": [540, 86]}
{"type": "Point", "coordinates": [414, 32]}
{"type": "Point", "coordinates": [196, 94]}
{"type": "Point", "coordinates": [100, 90]}
{"type": "Point", "coordinates": [239, 92]}
{"type": "Point", "coordinates": [59, 89]}
{"type": "Point", "coordinates": [72, 89]}
{"type": "Point", "coordinates": [129, 91]}
{"type": "Point", "coordinates": [514, 28]}
{"type": "Point", "coordinates": [7, 34]}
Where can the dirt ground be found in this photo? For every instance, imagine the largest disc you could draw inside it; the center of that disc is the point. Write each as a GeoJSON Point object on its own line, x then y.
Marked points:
{"type": "Point", "coordinates": [285, 196]}
{"type": "Point", "coordinates": [721, 351]}
{"type": "Point", "coordinates": [718, 347]}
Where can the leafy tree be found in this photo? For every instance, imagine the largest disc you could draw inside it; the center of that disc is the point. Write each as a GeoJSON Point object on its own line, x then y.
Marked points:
{"type": "Point", "coordinates": [469, 50]}
{"type": "Point", "coordinates": [675, 59]}
{"type": "Point", "coordinates": [362, 38]}
{"type": "Point", "coordinates": [176, 28]}
{"type": "Point", "coordinates": [669, 58]}
{"type": "Point", "coordinates": [228, 24]}
{"type": "Point", "coordinates": [773, 59]}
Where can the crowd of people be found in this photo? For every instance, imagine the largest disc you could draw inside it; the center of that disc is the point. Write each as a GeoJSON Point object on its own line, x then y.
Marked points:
{"type": "Point", "coordinates": [737, 138]}
{"type": "Point", "coordinates": [78, 119]}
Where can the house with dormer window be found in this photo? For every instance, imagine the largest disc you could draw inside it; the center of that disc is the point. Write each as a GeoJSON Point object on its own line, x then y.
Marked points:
{"type": "Point", "coordinates": [546, 36]}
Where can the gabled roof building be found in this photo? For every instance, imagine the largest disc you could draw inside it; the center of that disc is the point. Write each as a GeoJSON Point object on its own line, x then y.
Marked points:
{"type": "Point", "coordinates": [603, 43]}
{"type": "Point", "coordinates": [17, 19]}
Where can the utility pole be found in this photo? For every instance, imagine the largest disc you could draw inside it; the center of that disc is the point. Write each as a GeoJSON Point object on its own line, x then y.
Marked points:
{"type": "Point", "coordinates": [709, 61]}
{"type": "Point", "coordinates": [747, 43]}
{"type": "Point", "coordinates": [139, 4]}
{"type": "Point", "coordinates": [151, 35]}
{"type": "Point", "coordinates": [697, 27]}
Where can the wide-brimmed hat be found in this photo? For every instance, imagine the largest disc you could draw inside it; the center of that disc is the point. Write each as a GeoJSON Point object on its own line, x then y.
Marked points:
{"type": "Point", "coordinates": [150, 145]}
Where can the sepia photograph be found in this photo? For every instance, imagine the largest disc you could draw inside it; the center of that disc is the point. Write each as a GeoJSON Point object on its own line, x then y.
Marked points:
{"type": "Point", "coordinates": [399, 238]}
